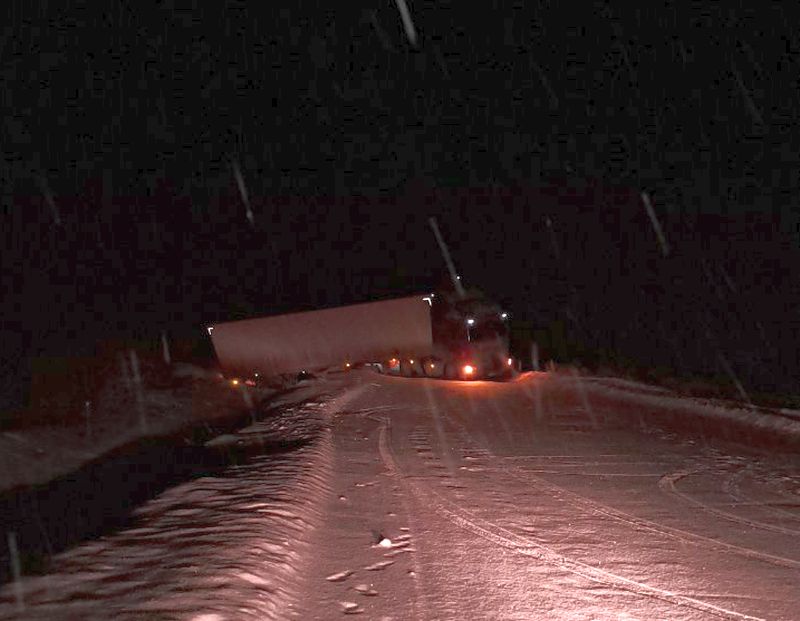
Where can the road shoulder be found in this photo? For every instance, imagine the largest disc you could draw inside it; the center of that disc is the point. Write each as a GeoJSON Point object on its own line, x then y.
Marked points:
{"type": "Point", "coordinates": [363, 550]}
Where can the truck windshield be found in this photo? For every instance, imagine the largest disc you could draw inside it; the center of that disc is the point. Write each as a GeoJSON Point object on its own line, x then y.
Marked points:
{"type": "Point", "coordinates": [488, 330]}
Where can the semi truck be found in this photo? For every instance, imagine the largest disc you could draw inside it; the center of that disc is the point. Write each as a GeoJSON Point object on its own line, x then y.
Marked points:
{"type": "Point", "coordinates": [457, 334]}
{"type": "Point", "coordinates": [438, 335]}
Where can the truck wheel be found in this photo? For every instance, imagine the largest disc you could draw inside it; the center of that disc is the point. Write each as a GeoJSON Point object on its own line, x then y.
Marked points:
{"type": "Point", "coordinates": [405, 369]}
{"type": "Point", "coordinates": [433, 367]}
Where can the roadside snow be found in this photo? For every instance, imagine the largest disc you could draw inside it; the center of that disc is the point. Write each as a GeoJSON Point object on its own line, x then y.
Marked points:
{"type": "Point", "coordinates": [120, 415]}
{"type": "Point", "coordinates": [228, 546]}
{"type": "Point", "coordinates": [780, 422]}
{"type": "Point", "coordinates": [630, 385]}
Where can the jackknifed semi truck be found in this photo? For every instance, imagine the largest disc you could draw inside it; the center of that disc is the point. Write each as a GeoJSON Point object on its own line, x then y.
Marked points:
{"type": "Point", "coordinates": [438, 335]}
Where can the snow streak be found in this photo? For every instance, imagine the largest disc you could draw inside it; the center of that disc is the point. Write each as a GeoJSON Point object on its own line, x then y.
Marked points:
{"type": "Point", "coordinates": [411, 33]}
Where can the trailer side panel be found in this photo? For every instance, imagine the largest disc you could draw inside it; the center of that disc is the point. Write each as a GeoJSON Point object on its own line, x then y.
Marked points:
{"type": "Point", "coordinates": [329, 337]}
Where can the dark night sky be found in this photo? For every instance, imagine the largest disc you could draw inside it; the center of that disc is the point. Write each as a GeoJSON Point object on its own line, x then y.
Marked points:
{"type": "Point", "coordinates": [349, 137]}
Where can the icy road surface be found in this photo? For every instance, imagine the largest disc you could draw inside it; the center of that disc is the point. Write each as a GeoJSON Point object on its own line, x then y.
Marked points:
{"type": "Point", "coordinates": [545, 498]}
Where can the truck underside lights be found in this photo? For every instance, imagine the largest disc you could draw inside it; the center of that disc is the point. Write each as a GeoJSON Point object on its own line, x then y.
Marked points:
{"type": "Point", "coordinates": [468, 369]}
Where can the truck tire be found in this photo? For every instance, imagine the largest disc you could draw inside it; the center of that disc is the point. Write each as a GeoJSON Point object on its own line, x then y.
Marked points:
{"type": "Point", "coordinates": [406, 369]}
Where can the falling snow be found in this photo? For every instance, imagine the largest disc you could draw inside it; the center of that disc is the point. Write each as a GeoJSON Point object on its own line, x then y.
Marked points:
{"type": "Point", "coordinates": [622, 180]}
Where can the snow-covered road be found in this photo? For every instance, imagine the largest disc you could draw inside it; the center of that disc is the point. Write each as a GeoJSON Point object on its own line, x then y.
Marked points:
{"type": "Point", "coordinates": [538, 500]}
{"type": "Point", "coordinates": [550, 497]}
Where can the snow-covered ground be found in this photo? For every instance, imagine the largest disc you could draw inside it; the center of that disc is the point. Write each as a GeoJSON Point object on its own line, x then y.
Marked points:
{"type": "Point", "coordinates": [537, 500]}
{"type": "Point", "coordinates": [774, 424]}
{"type": "Point", "coordinates": [120, 414]}
{"type": "Point", "coordinates": [551, 497]}
{"type": "Point", "coordinates": [214, 547]}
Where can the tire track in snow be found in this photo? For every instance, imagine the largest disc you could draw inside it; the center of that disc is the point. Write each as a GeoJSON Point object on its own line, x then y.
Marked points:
{"type": "Point", "coordinates": [233, 545]}
{"type": "Point", "coordinates": [598, 508]}
{"type": "Point", "coordinates": [527, 547]}
{"type": "Point", "coordinates": [731, 487]}
{"type": "Point", "coordinates": [420, 606]}
{"type": "Point", "coordinates": [667, 484]}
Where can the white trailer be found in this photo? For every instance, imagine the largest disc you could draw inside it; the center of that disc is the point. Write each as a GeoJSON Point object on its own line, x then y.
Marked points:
{"type": "Point", "coordinates": [334, 337]}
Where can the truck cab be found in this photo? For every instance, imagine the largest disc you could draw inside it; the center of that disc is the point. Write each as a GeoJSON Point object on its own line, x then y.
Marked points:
{"type": "Point", "coordinates": [470, 336]}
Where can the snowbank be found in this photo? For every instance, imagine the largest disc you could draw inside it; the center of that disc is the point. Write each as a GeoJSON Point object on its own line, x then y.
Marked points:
{"type": "Point", "coordinates": [120, 414]}
{"type": "Point", "coordinates": [228, 545]}
{"type": "Point", "coordinates": [781, 426]}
